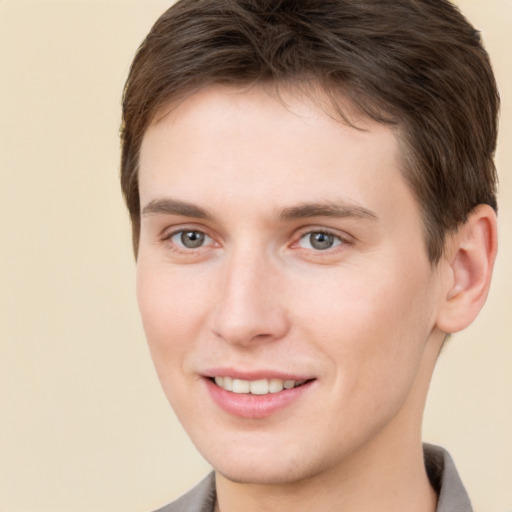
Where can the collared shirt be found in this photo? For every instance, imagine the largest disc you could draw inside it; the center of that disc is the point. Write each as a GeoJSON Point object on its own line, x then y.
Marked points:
{"type": "Point", "coordinates": [438, 463]}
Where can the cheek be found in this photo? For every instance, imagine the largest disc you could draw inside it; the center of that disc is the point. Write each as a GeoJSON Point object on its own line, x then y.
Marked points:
{"type": "Point", "coordinates": [172, 309]}
{"type": "Point", "coordinates": [371, 326]}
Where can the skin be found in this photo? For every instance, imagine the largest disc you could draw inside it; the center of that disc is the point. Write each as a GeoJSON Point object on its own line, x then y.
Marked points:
{"type": "Point", "coordinates": [365, 318]}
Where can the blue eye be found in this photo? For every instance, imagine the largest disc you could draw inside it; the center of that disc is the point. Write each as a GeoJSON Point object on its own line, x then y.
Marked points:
{"type": "Point", "coordinates": [190, 239]}
{"type": "Point", "coordinates": [319, 241]}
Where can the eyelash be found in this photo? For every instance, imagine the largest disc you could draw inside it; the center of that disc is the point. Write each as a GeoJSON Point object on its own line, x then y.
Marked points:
{"type": "Point", "coordinates": [337, 239]}
{"type": "Point", "coordinates": [181, 248]}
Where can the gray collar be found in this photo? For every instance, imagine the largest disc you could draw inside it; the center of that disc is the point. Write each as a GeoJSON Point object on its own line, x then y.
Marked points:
{"type": "Point", "coordinates": [445, 480]}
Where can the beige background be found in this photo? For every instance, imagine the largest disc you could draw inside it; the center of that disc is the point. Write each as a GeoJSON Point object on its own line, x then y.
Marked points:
{"type": "Point", "coordinates": [83, 423]}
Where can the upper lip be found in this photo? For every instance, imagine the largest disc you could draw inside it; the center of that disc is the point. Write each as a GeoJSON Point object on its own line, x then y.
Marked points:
{"type": "Point", "coordinates": [255, 374]}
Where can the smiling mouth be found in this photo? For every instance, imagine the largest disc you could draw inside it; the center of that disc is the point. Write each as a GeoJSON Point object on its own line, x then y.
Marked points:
{"type": "Point", "coordinates": [256, 387]}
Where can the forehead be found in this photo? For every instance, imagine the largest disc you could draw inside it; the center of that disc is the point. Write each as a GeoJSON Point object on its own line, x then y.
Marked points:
{"type": "Point", "coordinates": [250, 144]}
{"type": "Point", "coordinates": [305, 100]}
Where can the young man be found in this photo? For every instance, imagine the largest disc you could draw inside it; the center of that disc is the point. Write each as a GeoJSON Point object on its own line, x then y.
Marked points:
{"type": "Point", "coordinates": [312, 192]}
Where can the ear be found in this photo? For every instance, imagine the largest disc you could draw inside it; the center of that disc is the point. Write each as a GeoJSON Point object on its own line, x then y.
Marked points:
{"type": "Point", "coordinates": [469, 258]}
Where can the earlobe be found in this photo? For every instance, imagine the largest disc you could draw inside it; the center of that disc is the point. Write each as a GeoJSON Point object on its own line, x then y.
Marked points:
{"type": "Point", "coordinates": [471, 258]}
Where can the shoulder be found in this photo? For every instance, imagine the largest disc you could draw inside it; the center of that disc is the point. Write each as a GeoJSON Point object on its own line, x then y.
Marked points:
{"type": "Point", "coordinates": [199, 499]}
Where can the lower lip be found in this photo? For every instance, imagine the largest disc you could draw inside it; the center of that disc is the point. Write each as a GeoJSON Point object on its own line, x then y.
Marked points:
{"type": "Point", "coordinates": [246, 405]}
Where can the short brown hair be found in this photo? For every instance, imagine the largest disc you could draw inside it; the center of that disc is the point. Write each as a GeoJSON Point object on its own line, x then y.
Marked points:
{"type": "Point", "coordinates": [417, 65]}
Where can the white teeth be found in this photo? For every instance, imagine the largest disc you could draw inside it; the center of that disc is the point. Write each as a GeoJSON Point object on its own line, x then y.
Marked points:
{"type": "Point", "coordinates": [275, 385]}
{"type": "Point", "coordinates": [228, 384]}
{"type": "Point", "coordinates": [289, 384]}
{"type": "Point", "coordinates": [256, 387]}
{"type": "Point", "coordinates": [259, 387]}
{"type": "Point", "coordinates": [241, 386]}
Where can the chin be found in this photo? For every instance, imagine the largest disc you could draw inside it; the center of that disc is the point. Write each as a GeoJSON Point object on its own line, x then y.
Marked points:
{"type": "Point", "coordinates": [251, 457]}
{"type": "Point", "coordinates": [265, 466]}
{"type": "Point", "coordinates": [256, 474]}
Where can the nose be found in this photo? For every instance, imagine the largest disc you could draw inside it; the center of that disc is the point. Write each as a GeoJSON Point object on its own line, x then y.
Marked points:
{"type": "Point", "coordinates": [250, 306]}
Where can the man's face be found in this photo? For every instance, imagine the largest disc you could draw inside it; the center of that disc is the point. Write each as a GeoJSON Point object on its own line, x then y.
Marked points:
{"type": "Point", "coordinates": [281, 248]}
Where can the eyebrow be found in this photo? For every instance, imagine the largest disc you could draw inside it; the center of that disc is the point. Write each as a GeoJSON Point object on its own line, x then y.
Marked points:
{"type": "Point", "coordinates": [169, 206]}
{"type": "Point", "coordinates": [326, 209]}
{"type": "Point", "coordinates": [336, 209]}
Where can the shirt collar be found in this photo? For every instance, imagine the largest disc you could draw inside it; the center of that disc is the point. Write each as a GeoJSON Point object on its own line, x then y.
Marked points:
{"type": "Point", "coordinates": [445, 480]}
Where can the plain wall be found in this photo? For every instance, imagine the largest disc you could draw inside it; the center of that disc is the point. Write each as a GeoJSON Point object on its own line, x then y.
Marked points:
{"type": "Point", "coordinates": [84, 426]}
